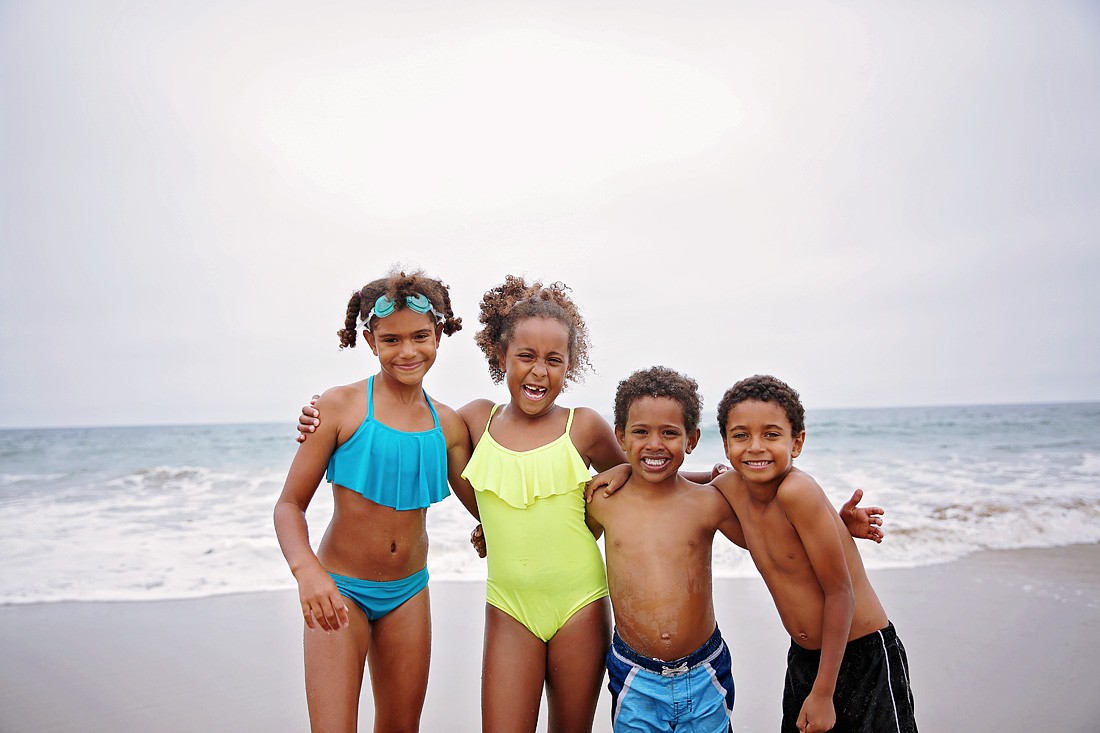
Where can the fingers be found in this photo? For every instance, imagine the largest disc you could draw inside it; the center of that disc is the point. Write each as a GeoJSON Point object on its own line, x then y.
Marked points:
{"type": "Point", "coordinates": [477, 539]}
{"type": "Point", "coordinates": [326, 613]}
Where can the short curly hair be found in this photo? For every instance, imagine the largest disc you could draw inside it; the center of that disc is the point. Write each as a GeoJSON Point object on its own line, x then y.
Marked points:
{"type": "Point", "coordinates": [764, 388]}
{"type": "Point", "coordinates": [513, 301]}
{"type": "Point", "coordinates": [659, 381]}
{"type": "Point", "coordinates": [398, 286]}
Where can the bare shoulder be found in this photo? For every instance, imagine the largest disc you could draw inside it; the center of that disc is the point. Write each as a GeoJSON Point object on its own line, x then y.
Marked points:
{"type": "Point", "coordinates": [728, 484]}
{"type": "Point", "coordinates": [586, 416]}
{"type": "Point", "coordinates": [798, 485]}
{"type": "Point", "coordinates": [449, 419]}
{"type": "Point", "coordinates": [800, 496]}
{"type": "Point", "coordinates": [476, 415]}
{"type": "Point", "coordinates": [343, 396]}
{"type": "Point", "coordinates": [707, 499]}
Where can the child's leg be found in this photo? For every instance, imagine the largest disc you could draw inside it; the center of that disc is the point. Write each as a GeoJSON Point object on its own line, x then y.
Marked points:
{"type": "Point", "coordinates": [400, 650]}
{"type": "Point", "coordinates": [512, 675]}
{"type": "Point", "coordinates": [575, 668]}
{"type": "Point", "coordinates": [334, 672]}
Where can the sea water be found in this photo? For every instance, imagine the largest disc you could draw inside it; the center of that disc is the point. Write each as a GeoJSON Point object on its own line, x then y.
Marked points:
{"type": "Point", "coordinates": [170, 512]}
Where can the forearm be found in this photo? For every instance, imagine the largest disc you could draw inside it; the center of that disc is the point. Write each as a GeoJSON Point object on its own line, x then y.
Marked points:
{"type": "Point", "coordinates": [293, 534]}
{"type": "Point", "coordinates": [835, 627]}
{"type": "Point", "coordinates": [465, 494]}
{"type": "Point", "coordinates": [698, 477]}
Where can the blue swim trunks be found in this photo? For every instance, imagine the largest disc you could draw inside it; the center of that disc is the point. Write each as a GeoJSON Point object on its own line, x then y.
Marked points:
{"type": "Point", "coordinates": [378, 597]}
{"type": "Point", "coordinates": [694, 693]}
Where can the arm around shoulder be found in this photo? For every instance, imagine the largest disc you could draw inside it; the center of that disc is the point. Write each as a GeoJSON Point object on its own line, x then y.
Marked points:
{"type": "Point", "coordinates": [459, 450]}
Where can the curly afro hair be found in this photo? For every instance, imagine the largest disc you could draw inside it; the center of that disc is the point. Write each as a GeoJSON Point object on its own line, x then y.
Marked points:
{"type": "Point", "coordinates": [659, 381]}
{"type": "Point", "coordinates": [513, 301]}
{"type": "Point", "coordinates": [764, 388]}
{"type": "Point", "coordinates": [398, 286]}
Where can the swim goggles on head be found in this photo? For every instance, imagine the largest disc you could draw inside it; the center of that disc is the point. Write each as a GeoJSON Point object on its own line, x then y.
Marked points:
{"type": "Point", "coordinates": [384, 306]}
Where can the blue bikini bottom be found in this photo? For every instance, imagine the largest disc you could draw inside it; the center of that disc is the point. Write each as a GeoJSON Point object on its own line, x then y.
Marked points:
{"type": "Point", "coordinates": [376, 598]}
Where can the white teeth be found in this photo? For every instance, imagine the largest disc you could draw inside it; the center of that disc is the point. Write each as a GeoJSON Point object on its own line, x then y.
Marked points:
{"type": "Point", "coordinates": [655, 461]}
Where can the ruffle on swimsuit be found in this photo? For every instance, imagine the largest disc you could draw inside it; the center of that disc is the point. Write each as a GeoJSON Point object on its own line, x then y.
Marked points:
{"type": "Point", "coordinates": [394, 468]}
{"type": "Point", "coordinates": [520, 478]}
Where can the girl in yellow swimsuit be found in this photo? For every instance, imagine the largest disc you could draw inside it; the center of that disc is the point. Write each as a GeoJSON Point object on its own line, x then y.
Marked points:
{"type": "Point", "coordinates": [547, 615]}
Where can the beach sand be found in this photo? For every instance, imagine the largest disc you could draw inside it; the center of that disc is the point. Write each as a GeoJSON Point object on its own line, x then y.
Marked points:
{"type": "Point", "coordinates": [998, 641]}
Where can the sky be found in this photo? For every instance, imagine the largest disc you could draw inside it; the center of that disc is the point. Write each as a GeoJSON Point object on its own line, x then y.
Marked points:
{"type": "Point", "coordinates": [884, 204]}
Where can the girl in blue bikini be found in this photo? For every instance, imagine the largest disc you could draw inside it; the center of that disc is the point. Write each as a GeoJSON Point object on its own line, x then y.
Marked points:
{"type": "Point", "coordinates": [389, 451]}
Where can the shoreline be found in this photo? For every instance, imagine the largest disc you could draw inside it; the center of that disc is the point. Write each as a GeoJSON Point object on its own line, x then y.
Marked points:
{"type": "Point", "coordinates": [999, 640]}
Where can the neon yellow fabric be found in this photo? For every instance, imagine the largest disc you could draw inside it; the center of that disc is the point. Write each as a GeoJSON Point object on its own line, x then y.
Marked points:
{"type": "Point", "coordinates": [544, 564]}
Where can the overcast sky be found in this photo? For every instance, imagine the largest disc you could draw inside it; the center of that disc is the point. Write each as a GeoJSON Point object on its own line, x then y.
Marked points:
{"type": "Point", "coordinates": [882, 203]}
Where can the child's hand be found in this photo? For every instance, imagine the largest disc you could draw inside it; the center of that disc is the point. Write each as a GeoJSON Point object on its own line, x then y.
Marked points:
{"type": "Point", "coordinates": [309, 419]}
{"type": "Point", "coordinates": [477, 539]}
{"type": "Point", "coordinates": [817, 714]}
{"type": "Point", "coordinates": [863, 523]}
{"type": "Point", "coordinates": [718, 470]}
{"type": "Point", "coordinates": [610, 481]}
{"type": "Point", "coordinates": [322, 604]}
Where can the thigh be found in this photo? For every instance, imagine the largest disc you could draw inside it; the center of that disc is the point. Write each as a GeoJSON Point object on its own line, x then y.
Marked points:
{"type": "Point", "coordinates": [575, 668]}
{"type": "Point", "coordinates": [400, 651]}
{"type": "Point", "coordinates": [334, 672]}
{"type": "Point", "coordinates": [512, 676]}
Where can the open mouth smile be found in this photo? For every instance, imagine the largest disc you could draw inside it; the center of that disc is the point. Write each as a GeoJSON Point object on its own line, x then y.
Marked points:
{"type": "Point", "coordinates": [534, 393]}
{"type": "Point", "coordinates": [656, 463]}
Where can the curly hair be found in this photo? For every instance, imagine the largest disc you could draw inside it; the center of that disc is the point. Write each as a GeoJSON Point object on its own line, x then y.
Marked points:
{"type": "Point", "coordinates": [765, 388]}
{"type": "Point", "coordinates": [513, 301]}
{"type": "Point", "coordinates": [659, 381]}
{"type": "Point", "coordinates": [398, 286]}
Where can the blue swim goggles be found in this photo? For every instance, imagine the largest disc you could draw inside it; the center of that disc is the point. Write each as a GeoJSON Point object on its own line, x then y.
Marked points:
{"type": "Point", "coordinates": [384, 306]}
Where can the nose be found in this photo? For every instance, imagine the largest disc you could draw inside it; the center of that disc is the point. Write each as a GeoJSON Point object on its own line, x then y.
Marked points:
{"type": "Point", "coordinates": [539, 369]}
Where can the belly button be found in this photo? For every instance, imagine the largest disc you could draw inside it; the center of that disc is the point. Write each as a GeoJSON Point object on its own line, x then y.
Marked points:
{"type": "Point", "coordinates": [393, 547]}
{"type": "Point", "coordinates": [803, 636]}
{"type": "Point", "coordinates": [666, 636]}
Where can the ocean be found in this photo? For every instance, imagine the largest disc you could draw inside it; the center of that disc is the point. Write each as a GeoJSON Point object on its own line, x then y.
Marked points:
{"type": "Point", "coordinates": [147, 513]}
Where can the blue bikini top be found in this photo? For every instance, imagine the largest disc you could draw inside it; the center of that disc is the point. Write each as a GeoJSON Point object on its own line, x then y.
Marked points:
{"type": "Point", "coordinates": [394, 468]}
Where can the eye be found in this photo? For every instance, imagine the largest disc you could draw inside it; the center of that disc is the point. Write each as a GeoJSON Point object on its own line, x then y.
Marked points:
{"type": "Point", "coordinates": [739, 436]}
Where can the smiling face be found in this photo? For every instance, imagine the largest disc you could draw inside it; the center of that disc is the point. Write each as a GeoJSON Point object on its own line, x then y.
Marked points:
{"type": "Point", "coordinates": [405, 343]}
{"type": "Point", "coordinates": [759, 441]}
{"type": "Point", "coordinates": [535, 364]}
{"type": "Point", "coordinates": [655, 439]}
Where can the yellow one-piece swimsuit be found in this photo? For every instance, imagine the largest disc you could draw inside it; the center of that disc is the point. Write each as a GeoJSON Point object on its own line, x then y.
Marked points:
{"type": "Point", "coordinates": [544, 563]}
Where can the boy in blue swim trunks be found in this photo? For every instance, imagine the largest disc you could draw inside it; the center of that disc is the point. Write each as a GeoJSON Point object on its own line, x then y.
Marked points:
{"type": "Point", "coordinates": [668, 667]}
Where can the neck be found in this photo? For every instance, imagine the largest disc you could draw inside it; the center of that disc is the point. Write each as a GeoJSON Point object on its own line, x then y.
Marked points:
{"type": "Point", "coordinates": [406, 393]}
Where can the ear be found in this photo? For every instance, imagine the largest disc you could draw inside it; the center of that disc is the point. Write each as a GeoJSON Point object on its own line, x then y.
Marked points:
{"type": "Point", "coordinates": [796, 447]}
{"type": "Point", "coordinates": [438, 333]}
{"type": "Point", "coordinates": [693, 439]}
{"type": "Point", "coordinates": [501, 362]}
{"type": "Point", "coordinates": [370, 340]}
{"type": "Point", "coordinates": [620, 435]}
